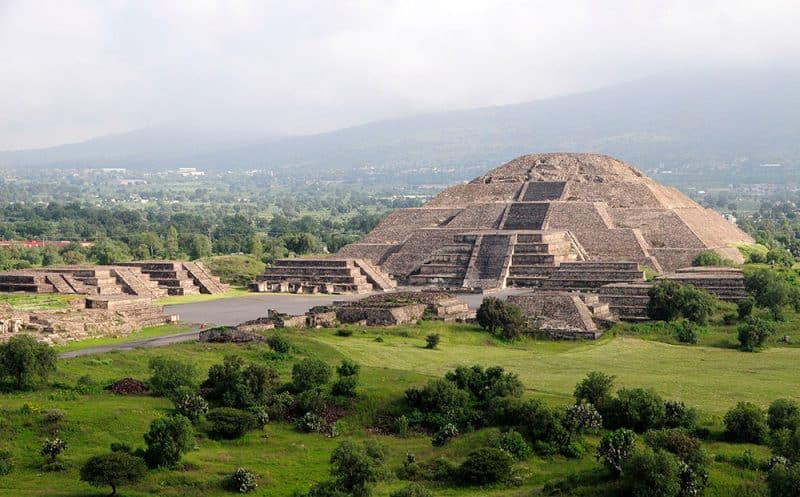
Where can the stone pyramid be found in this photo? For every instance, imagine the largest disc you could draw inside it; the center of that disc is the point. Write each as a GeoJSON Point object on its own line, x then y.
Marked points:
{"type": "Point", "coordinates": [541, 214]}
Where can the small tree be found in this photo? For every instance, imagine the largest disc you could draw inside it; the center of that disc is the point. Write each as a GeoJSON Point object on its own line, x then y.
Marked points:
{"type": "Point", "coordinates": [230, 423]}
{"type": "Point", "coordinates": [512, 442]}
{"type": "Point", "coordinates": [345, 386]}
{"type": "Point", "coordinates": [784, 480]}
{"type": "Point", "coordinates": [649, 473]}
{"type": "Point", "coordinates": [783, 414]}
{"type": "Point", "coordinates": [432, 341]}
{"type": "Point", "coordinates": [745, 423]}
{"type": "Point", "coordinates": [25, 361]}
{"type": "Point", "coordinates": [168, 439]}
{"type": "Point", "coordinates": [744, 307]}
{"type": "Point", "coordinates": [356, 467]}
{"type": "Point", "coordinates": [172, 378]}
{"type": "Point", "coordinates": [310, 373]}
{"type": "Point", "coordinates": [670, 300]}
{"type": "Point", "coordinates": [490, 314]}
{"type": "Point", "coordinates": [582, 418]}
{"type": "Point", "coordinates": [236, 384]}
{"type": "Point", "coordinates": [113, 469]}
{"type": "Point", "coordinates": [279, 343]}
{"type": "Point", "coordinates": [615, 448]}
{"type": "Point", "coordinates": [242, 480]}
{"type": "Point", "coordinates": [639, 409]}
{"type": "Point", "coordinates": [595, 389]}
{"type": "Point", "coordinates": [754, 333]}
{"type": "Point", "coordinates": [515, 323]}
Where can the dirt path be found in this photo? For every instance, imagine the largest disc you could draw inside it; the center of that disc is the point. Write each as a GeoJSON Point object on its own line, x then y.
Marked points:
{"type": "Point", "coordinates": [186, 336]}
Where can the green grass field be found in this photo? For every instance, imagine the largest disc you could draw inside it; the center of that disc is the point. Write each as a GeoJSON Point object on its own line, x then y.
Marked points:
{"type": "Point", "coordinates": [711, 378]}
{"type": "Point", "coordinates": [144, 333]}
{"type": "Point", "coordinates": [37, 302]}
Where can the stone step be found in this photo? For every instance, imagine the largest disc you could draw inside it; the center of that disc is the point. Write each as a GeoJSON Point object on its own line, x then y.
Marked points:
{"type": "Point", "coordinates": [437, 268]}
{"type": "Point", "coordinates": [600, 266]}
{"type": "Point", "coordinates": [609, 276]}
{"type": "Point", "coordinates": [531, 270]}
{"type": "Point", "coordinates": [525, 281]}
{"type": "Point", "coordinates": [539, 248]}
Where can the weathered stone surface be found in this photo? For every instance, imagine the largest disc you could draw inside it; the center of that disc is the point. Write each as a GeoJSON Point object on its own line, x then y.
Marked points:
{"type": "Point", "coordinates": [563, 315]}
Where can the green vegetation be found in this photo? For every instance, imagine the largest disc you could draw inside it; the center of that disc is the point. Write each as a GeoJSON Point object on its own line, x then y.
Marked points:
{"type": "Point", "coordinates": [237, 270]}
{"type": "Point", "coordinates": [36, 302]}
{"type": "Point", "coordinates": [143, 334]}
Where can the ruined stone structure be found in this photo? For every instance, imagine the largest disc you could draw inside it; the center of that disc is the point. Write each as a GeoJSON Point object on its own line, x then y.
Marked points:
{"type": "Point", "coordinates": [332, 275]}
{"type": "Point", "coordinates": [555, 221]}
{"type": "Point", "coordinates": [565, 315]}
{"type": "Point", "coordinates": [152, 279]}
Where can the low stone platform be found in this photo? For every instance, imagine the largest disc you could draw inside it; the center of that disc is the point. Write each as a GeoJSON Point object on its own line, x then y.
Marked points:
{"type": "Point", "coordinates": [328, 275]}
{"type": "Point", "coordinates": [564, 315]}
{"type": "Point", "coordinates": [725, 283]}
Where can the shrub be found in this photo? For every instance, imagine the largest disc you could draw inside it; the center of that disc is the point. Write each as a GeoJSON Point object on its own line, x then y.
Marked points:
{"type": "Point", "coordinates": [232, 384]}
{"type": "Point", "coordinates": [242, 480]}
{"type": "Point", "coordinates": [582, 418]}
{"type": "Point", "coordinates": [230, 423]}
{"type": "Point", "coordinates": [515, 322]}
{"type": "Point", "coordinates": [432, 341]}
{"type": "Point", "coordinates": [310, 423]}
{"type": "Point", "coordinates": [753, 333]}
{"type": "Point", "coordinates": [192, 406]}
{"type": "Point", "coordinates": [167, 440]}
{"type": "Point", "coordinates": [356, 467]}
{"type": "Point", "coordinates": [711, 258]}
{"type": "Point", "coordinates": [649, 473]}
{"type": "Point", "coordinates": [486, 465]}
{"type": "Point", "coordinates": [513, 443]}
{"type": "Point", "coordinates": [485, 384]}
{"type": "Point", "coordinates": [496, 315]}
{"type": "Point", "coordinates": [310, 373]}
{"type": "Point", "coordinates": [595, 389]}
{"type": "Point", "coordinates": [745, 423]}
{"type": "Point", "coordinates": [87, 385]}
{"type": "Point", "coordinates": [279, 343]}
{"type": "Point", "coordinates": [783, 414]}
{"type": "Point", "coordinates": [171, 378]}
{"type": "Point", "coordinates": [53, 416]}
{"type": "Point", "coordinates": [401, 426]}
{"type": "Point", "coordinates": [439, 402]}
{"type": "Point", "coordinates": [113, 469]}
{"type": "Point", "coordinates": [348, 368]}
{"type": "Point", "coordinates": [680, 443]}
{"type": "Point", "coordinates": [344, 332]}
{"type": "Point", "coordinates": [670, 300]}
{"type": "Point", "coordinates": [51, 449]}
{"type": "Point", "coordinates": [785, 443]}
{"type": "Point", "coordinates": [26, 361]}
{"type": "Point", "coordinates": [686, 332]}
{"type": "Point", "coordinates": [678, 415]}
{"type": "Point", "coordinates": [413, 490]}
{"type": "Point", "coordinates": [345, 387]}
{"type": "Point", "coordinates": [6, 462]}
{"type": "Point", "coordinates": [744, 307]}
{"type": "Point", "coordinates": [446, 433]}
{"type": "Point", "coordinates": [768, 288]}
{"type": "Point", "coordinates": [615, 448]}
{"type": "Point", "coordinates": [784, 480]}
{"type": "Point", "coordinates": [639, 409]}
{"type": "Point", "coordinates": [780, 257]}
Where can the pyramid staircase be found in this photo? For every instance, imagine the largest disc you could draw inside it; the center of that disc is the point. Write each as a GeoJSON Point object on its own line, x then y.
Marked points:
{"type": "Point", "coordinates": [169, 275]}
{"type": "Point", "coordinates": [447, 267]}
{"type": "Point", "coordinates": [207, 282]}
{"type": "Point", "coordinates": [590, 275]}
{"type": "Point", "coordinates": [536, 256]}
{"type": "Point", "coordinates": [323, 276]}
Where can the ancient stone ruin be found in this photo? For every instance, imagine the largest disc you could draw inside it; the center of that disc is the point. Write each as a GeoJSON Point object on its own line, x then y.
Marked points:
{"type": "Point", "coordinates": [550, 221]}
{"type": "Point", "coordinates": [152, 279]}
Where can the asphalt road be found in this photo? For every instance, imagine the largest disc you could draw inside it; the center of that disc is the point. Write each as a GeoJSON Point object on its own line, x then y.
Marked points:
{"type": "Point", "coordinates": [186, 336]}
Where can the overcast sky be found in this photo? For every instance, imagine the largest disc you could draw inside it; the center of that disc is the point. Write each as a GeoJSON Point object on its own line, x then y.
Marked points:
{"type": "Point", "coordinates": [71, 70]}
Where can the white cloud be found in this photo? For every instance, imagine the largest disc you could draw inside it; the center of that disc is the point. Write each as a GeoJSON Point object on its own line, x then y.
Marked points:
{"type": "Point", "coordinates": [72, 70]}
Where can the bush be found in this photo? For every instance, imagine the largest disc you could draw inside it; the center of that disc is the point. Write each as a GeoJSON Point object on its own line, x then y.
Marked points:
{"type": "Point", "coordinates": [171, 378]}
{"type": "Point", "coordinates": [439, 402]}
{"type": "Point", "coordinates": [745, 423]}
{"type": "Point", "coordinates": [242, 480]}
{"type": "Point", "coordinates": [711, 258]}
{"type": "Point", "coordinates": [237, 270]}
{"type": "Point", "coordinates": [753, 333]}
{"type": "Point", "coordinates": [192, 406]}
{"type": "Point", "coordinates": [432, 341]}
{"type": "Point", "coordinates": [582, 418]}
{"type": "Point", "coordinates": [232, 384]}
{"type": "Point", "coordinates": [513, 443]}
{"type": "Point", "coordinates": [639, 409]}
{"type": "Point", "coordinates": [167, 440]}
{"type": "Point", "coordinates": [345, 387]}
{"type": "Point", "coordinates": [279, 344]}
{"type": "Point", "coordinates": [344, 332]}
{"type": "Point", "coordinates": [6, 462]}
{"type": "Point", "coordinates": [769, 289]}
{"type": "Point", "coordinates": [485, 384]}
{"type": "Point", "coordinates": [53, 416]}
{"type": "Point", "coordinates": [615, 448]}
{"type": "Point", "coordinates": [356, 467]}
{"type": "Point", "coordinates": [486, 465]}
{"type": "Point", "coordinates": [413, 490]}
{"type": "Point", "coordinates": [786, 443]}
{"type": "Point", "coordinates": [670, 300]}
{"type": "Point", "coordinates": [686, 332]}
{"type": "Point", "coordinates": [496, 315]}
{"type": "Point", "coordinates": [783, 414]}
{"type": "Point", "coordinates": [678, 415]}
{"type": "Point", "coordinates": [230, 423]}
{"type": "Point", "coordinates": [744, 307]}
{"type": "Point", "coordinates": [87, 385]}
{"type": "Point", "coordinates": [680, 443]}
{"type": "Point", "coordinates": [310, 373]}
{"type": "Point", "coordinates": [26, 361]}
{"type": "Point", "coordinates": [51, 449]}
{"type": "Point", "coordinates": [784, 480]}
{"type": "Point", "coordinates": [113, 469]}
{"type": "Point", "coordinates": [649, 473]}
{"type": "Point", "coordinates": [595, 389]}
{"type": "Point", "coordinates": [446, 433]}
{"type": "Point", "coordinates": [780, 257]}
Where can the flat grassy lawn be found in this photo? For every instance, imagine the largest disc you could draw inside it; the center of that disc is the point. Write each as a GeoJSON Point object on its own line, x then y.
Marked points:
{"type": "Point", "coordinates": [713, 379]}
{"type": "Point", "coordinates": [144, 333]}
{"type": "Point", "coordinates": [37, 302]}
{"type": "Point", "coordinates": [238, 291]}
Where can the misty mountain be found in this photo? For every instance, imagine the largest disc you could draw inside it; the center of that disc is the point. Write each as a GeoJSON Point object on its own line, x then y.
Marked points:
{"type": "Point", "coordinates": [699, 118]}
